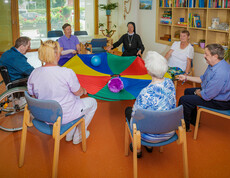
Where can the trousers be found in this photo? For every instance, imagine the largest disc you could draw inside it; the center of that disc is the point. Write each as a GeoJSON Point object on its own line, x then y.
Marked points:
{"type": "Point", "coordinates": [190, 101]}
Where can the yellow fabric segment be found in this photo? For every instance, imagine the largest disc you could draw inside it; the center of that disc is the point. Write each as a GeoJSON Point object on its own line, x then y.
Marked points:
{"type": "Point", "coordinates": [79, 67]}
{"type": "Point", "coordinates": [144, 77]}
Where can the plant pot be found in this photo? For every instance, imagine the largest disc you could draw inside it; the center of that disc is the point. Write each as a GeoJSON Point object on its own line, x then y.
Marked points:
{"type": "Point", "coordinates": [202, 45]}
{"type": "Point", "coordinates": [101, 28]}
{"type": "Point", "coordinates": [108, 12]}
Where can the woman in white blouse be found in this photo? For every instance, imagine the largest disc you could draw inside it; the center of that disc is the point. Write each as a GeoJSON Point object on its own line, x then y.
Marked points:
{"type": "Point", "coordinates": [181, 54]}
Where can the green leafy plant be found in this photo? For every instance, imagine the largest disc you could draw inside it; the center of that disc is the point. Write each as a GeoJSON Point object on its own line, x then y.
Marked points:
{"type": "Point", "coordinates": [109, 6]}
{"type": "Point", "coordinates": [227, 55]}
{"type": "Point", "coordinates": [101, 25]}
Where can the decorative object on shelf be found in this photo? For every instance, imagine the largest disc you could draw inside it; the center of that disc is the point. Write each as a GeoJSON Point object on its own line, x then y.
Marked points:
{"type": "Point", "coordinates": [202, 43]}
{"type": "Point", "coordinates": [145, 4]}
{"type": "Point", "coordinates": [166, 17]}
{"type": "Point", "coordinates": [125, 7]}
{"type": "Point", "coordinates": [110, 6]}
{"type": "Point", "coordinates": [166, 37]}
{"type": "Point", "coordinates": [215, 22]}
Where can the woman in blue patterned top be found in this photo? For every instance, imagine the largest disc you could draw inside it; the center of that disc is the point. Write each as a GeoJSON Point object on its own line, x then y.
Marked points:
{"type": "Point", "coordinates": [158, 95]}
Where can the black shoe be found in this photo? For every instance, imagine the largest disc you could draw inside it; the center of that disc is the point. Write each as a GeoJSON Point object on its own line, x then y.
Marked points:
{"type": "Point", "coordinates": [150, 150]}
{"type": "Point", "coordinates": [188, 130]}
{"type": "Point", "coordinates": [139, 154]}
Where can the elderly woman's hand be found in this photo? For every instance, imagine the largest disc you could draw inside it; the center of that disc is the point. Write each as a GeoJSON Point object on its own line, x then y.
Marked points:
{"type": "Point", "coordinates": [108, 48]}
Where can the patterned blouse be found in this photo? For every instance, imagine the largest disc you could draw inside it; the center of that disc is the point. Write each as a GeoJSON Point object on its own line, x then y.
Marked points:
{"type": "Point", "coordinates": [159, 96]}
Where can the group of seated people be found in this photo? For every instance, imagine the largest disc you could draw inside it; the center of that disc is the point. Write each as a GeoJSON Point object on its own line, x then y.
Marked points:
{"type": "Point", "coordinates": [158, 95]}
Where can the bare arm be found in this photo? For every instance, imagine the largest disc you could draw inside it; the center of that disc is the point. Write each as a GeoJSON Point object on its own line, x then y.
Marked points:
{"type": "Point", "coordinates": [80, 92]}
{"type": "Point", "coordinates": [168, 54]}
{"type": "Point", "coordinates": [188, 67]}
{"type": "Point", "coordinates": [189, 78]}
{"type": "Point", "coordinates": [78, 47]}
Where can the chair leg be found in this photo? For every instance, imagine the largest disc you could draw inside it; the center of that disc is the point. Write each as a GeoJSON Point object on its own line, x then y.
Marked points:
{"type": "Point", "coordinates": [126, 140]}
{"type": "Point", "coordinates": [175, 84]}
{"type": "Point", "coordinates": [185, 155]}
{"type": "Point", "coordinates": [83, 136]}
{"type": "Point", "coordinates": [197, 124]}
{"type": "Point", "coordinates": [23, 144]}
{"type": "Point", "coordinates": [26, 119]}
{"type": "Point", "coordinates": [134, 155]}
{"type": "Point", "coordinates": [56, 156]}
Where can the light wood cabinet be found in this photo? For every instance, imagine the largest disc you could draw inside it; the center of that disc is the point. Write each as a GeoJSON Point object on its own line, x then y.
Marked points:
{"type": "Point", "coordinates": [206, 15]}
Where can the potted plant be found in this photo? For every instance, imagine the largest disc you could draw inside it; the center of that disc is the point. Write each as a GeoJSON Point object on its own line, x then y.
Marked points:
{"type": "Point", "coordinates": [101, 26]}
{"type": "Point", "coordinates": [108, 7]}
{"type": "Point", "coordinates": [109, 33]}
{"type": "Point", "coordinates": [227, 55]}
{"type": "Point", "coordinates": [202, 43]}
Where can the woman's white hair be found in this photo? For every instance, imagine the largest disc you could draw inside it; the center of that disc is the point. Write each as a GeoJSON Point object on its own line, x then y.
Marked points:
{"type": "Point", "coordinates": [156, 64]}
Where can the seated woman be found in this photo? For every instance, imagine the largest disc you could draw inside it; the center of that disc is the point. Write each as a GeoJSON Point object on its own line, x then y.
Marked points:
{"type": "Point", "coordinates": [69, 44]}
{"type": "Point", "coordinates": [52, 82]}
{"type": "Point", "coordinates": [131, 42]}
{"type": "Point", "coordinates": [158, 95]}
{"type": "Point", "coordinates": [180, 55]}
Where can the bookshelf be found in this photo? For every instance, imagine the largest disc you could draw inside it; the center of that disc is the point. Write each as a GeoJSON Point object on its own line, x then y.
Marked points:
{"type": "Point", "coordinates": [192, 12]}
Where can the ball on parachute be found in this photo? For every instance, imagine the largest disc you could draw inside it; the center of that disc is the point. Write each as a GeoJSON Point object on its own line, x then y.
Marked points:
{"type": "Point", "coordinates": [115, 85]}
{"type": "Point", "coordinates": [96, 61]}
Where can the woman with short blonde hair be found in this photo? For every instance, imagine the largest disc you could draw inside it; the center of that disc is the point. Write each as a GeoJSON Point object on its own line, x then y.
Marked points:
{"type": "Point", "coordinates": [52, 82]}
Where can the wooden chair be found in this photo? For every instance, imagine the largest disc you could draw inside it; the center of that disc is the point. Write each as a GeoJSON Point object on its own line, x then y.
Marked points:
{"type": "Point", "coordinates": [97, 45]}
{"type": "Point", "coordinates": [220, 113]}
{"type": "Point", "coordinates": [156, 122]}
{"type": "Point", "coordinates": [47, 119]}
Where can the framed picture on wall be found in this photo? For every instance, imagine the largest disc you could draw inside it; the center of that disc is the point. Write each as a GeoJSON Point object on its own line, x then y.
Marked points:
{"type": "Point", "coordinates": [145, 4]}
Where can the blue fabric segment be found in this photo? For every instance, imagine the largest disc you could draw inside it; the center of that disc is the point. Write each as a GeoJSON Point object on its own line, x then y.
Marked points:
{"type": "Point", "coordinates": [215, 82]}
{"type": "Point", "coordinates": [225, 112]}
{"type": "Point", "coordinates": [103, 67]}
{"type": "Point", "coordinates": [63, 60]}
{"type": "Point", "coordinates": [134, 86]}
{"type": "Point", "coordinates": [16, 63]}
{"type": "Point", "coordinates": [48, 128]}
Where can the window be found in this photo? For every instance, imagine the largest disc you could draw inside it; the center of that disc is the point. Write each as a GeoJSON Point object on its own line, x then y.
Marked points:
{"type": "Point", "coordinates": [32, 20]}
{"type": "Point", "coordinates": [61, 12]}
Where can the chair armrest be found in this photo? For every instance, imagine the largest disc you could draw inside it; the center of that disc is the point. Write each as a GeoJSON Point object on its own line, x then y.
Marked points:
{"type": "Point", "coordinates": [88, 45]}
{"type": "Point", "coordinates": [19, 81]}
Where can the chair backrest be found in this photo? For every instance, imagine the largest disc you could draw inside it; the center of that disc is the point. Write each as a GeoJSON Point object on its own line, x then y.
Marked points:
{"type": "Point", "coordinates": [158, 122]}
{"type": "Point", "coordinates": [99, 42]}
{"type": "Point", "coordinates": [78, 33]}
{"type": "Point", "coordinates": [54, 33]}
{"type": "Point", "coordinates": [5, 74]}
{"type": "Point", "coordinates": [44, 110]}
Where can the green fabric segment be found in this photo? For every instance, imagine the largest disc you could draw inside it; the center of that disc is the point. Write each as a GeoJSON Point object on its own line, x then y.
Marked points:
{"type": "Point", "coordinates": [106, 94]}
{"type": "Point", "coordinates": [119, 63]}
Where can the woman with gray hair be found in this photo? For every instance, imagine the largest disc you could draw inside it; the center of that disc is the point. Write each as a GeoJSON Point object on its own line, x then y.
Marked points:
{"type": "Point", "coordinates": [158, 95]}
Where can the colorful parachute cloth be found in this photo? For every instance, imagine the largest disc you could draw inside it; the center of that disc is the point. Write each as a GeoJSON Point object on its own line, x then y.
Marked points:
{"type": "Point", "coordinates": [131, 70]}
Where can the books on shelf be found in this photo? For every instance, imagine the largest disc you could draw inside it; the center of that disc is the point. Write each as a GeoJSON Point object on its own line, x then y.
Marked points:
{"type": "Point", "coordinates": [194, 20]}
{"type": "Point", "coordinates": [196, 3]}
{"type": "Point", "coordinates": [166, 17]}
{"type": "Point", "coordinates": [219, 4]}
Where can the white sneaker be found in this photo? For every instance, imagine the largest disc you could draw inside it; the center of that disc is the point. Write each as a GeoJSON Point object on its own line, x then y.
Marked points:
{"type": "Point", "coordinates": [79, 140]}
{"type": "Point", "coordinates": [69, 136]}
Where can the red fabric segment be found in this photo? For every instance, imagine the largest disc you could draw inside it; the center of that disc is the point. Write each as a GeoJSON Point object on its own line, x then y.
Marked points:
{"type": "Point", "coordinates": [136, 68]}
{"type": "Point", "coordinates": [93, 84]}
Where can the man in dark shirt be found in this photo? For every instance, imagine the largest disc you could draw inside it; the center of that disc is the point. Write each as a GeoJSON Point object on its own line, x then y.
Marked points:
{"type": "Point", "coordinates": [15, 60]}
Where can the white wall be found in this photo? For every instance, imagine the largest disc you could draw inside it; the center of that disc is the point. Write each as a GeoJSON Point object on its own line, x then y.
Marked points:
{"type": "Point", "coordinates": [146, 27]}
